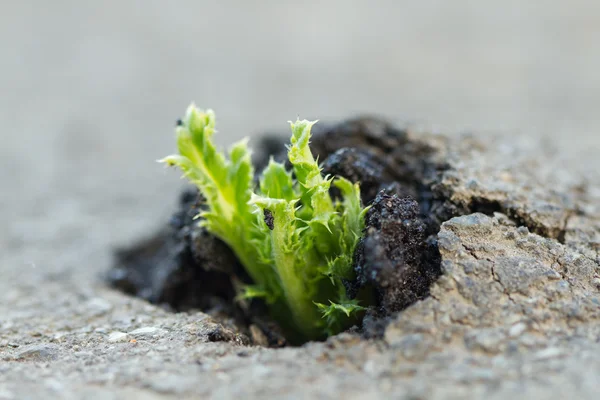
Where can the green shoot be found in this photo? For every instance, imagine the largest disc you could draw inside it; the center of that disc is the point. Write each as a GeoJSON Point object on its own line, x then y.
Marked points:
{"type": "Point", "coordinates": [294, 240]}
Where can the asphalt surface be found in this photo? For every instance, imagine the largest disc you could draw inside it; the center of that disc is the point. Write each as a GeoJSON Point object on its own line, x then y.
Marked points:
{"type": "Point", "coordinates": [90, 93]}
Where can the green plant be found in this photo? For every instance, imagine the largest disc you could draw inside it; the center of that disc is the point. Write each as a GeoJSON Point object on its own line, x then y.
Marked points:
{"type": "Point", "coordinates": [294, 240]}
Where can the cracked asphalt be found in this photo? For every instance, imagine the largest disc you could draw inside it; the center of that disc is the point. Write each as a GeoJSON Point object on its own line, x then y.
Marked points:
{"type": "Point", "coordinates": [90, 93]}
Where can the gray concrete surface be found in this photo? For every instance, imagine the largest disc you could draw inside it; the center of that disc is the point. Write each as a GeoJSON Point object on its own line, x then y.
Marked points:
{"type": "Point", "coordinates": [89, 95]}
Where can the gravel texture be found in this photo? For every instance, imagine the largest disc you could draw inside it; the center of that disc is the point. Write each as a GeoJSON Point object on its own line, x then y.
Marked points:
{"type": "Point", "coordinates": [514, 313]}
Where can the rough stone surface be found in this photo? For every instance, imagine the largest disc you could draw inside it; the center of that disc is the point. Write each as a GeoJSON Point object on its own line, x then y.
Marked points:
{"type": "Point", "coordinates": [515, 313]}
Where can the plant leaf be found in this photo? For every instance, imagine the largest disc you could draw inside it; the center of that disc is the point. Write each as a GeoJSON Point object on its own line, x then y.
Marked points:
{"type": "Point", "coordinates": [295, 242]}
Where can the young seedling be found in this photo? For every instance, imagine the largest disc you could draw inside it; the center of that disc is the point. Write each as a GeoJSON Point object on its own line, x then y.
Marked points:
{"type": "Point", "coordinates": [293, 239]}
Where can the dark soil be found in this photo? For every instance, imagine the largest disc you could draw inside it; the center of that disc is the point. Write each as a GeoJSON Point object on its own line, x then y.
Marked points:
{"type": "Point", "coordinates": [185, 268]}
{"type": "Point", "coordinates": [164, 269]}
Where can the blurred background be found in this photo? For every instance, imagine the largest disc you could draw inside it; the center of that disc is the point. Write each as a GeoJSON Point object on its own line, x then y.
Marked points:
{"type": "Point", "coordinates": [90, 92]}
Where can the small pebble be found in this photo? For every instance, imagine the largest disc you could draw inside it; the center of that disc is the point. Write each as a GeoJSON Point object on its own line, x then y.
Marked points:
{"type": "Point", "coordinates": [550, 352]}
{"type": "Point", "coordinates": [39, 352]}
{"type": "Point", "coordinates": [115, 337]}
{"type": "Point", "coordinates": [146, 332]}
{"type": "Point", "coordinates": [517, 329]}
